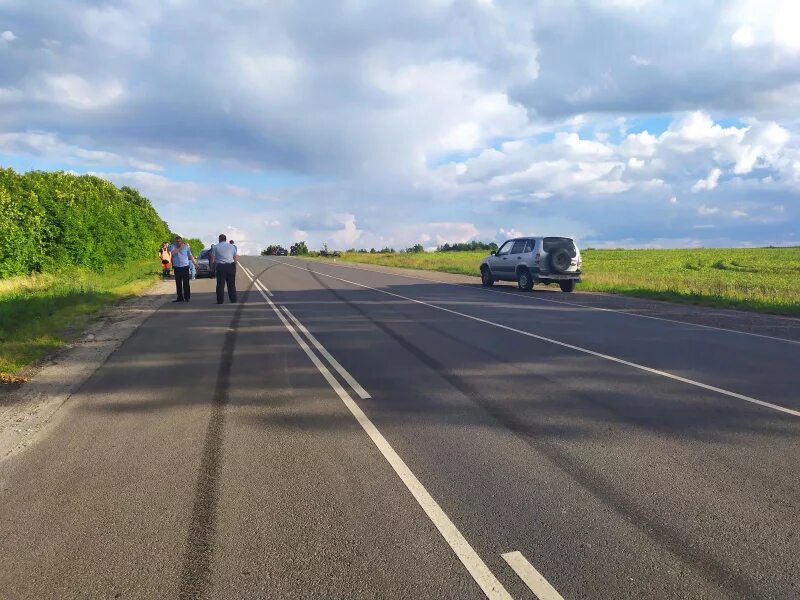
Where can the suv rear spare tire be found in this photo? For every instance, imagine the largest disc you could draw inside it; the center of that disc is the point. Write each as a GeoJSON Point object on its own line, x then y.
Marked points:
{"type": "Point", "coordinates": [567, 285]}
{"type": "Point", "coordinates": [560, 260]}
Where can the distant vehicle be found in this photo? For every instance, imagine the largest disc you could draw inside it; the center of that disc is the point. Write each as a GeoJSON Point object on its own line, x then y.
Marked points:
{"type": "Point", "coordinates": [533, 260]}
{"type": "Point", "coordinates": [204, 266]}
{"type": "Point", "coordinates": [330, 253]}
{"type": "Point", "coordinates": [281, 252]}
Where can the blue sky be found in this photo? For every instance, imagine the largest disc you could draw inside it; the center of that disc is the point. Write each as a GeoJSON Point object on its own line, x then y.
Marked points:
{"type": "Point", "coordinates": [365, 124]}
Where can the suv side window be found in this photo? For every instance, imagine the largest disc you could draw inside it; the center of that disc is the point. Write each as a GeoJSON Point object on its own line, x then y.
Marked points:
{"type": "Point", "coordinates": [504, 249]}
{"type": "Point", "coordinates": [518, 247]}
{"type": "Point", "coordinates": [530, 245]}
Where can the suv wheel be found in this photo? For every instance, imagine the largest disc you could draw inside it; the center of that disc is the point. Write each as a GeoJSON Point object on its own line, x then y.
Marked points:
{"type": "Point", "coordinates": [524, 280]}
{"type": "Point", "coordinates": [568, 285]}
{"type": "Point", "coordinates": [486, 277]}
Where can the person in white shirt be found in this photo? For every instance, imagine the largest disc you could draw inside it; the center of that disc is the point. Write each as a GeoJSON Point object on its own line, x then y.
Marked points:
{"type": "Point", "coordinates": [225, 256]}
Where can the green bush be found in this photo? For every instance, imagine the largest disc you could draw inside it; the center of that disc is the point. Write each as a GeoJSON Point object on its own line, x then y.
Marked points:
{"type": "Point", "coordinates": [54, 220]}
{"type": "Point", "coordinates": [196, 245]}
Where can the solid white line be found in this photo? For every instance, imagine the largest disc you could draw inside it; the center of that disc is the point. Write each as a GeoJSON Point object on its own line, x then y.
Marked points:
{"type": "Point", "coordinates": [532, 578]}
{"type": "Point", "coordinates": [566, 303]}
{"type": "Point", "coordinates": [362, 393]}
{"type": "Point", "coordinates": [250, 274]}
{"type": "Point", "coordinates": [262, 287]}
{"type": "Point", "coordinates": [621, 361]}
{"type": "Point", "coordinates": [490, 585]}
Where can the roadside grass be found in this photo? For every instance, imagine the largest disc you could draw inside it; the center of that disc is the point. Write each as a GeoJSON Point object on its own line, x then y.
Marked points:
{"type": "Point", "coordinates": [39, 313]}
{"type": "Point", "coordinates": [756, 279]}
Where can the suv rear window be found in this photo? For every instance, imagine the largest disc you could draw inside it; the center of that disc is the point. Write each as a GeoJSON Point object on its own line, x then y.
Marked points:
{"type": "Point", "coordinates": [205, 253]}
{"type": "Point", "coordinates": [553, 243]}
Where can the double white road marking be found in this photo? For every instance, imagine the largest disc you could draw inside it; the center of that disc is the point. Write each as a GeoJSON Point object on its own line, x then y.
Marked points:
{"type": "Point", "coordinates": [475, 565]}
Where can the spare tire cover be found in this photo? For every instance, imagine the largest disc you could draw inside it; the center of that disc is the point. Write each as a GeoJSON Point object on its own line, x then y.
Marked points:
{"type": "Point", "coordinates": [560, 259]}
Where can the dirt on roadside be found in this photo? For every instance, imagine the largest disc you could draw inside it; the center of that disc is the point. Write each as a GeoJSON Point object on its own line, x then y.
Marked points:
{"type": "Point", "coordinates": [29, 401]}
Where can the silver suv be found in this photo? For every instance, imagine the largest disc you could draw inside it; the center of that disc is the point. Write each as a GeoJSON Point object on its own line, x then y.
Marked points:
{"type": "Point", "coordinates": [534, 260]}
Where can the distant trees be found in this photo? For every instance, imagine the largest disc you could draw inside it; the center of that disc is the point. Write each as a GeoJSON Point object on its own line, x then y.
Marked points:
{"type": "Point", "coordinates": [270, 250]}
{"type": "Point", "coordinates": [473, 246]}
{"type": "Point", "coordinates": [51, 220]}
{"type": "Point", "coordinates": [300, 248]}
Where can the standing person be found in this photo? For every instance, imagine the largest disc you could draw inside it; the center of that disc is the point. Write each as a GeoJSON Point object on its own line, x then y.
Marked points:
{"type": "Point", "coordinates": [225, 257]}
{"type": "Point", "coordinates": [232, 243]}
{"type": "Point", "coordinates": [181, 256]}
{"type": "Point", "coordinates": [166, 258]}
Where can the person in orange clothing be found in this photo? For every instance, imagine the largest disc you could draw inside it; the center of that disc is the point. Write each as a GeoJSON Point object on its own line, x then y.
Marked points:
{"type": "Point", "coordinates": [166, 260]}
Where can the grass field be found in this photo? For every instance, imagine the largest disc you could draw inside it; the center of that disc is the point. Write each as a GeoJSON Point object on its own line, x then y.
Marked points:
{"type": "Point", "coordinates": [759, 279]}
{"type": "Point", "coordinates": [38, 313]}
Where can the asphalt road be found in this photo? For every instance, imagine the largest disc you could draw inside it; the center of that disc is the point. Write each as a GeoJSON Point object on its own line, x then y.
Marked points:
{"type": "Point", "coordinates": [351, 433]}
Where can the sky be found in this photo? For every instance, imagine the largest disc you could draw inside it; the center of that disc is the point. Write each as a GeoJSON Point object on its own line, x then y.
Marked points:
{"type": "Point", "coordinates": [353, 123]}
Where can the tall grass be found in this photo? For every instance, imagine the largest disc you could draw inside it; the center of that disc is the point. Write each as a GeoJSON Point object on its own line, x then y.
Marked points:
{"type": "Point", "coordinates": [760, 279]}
{"type": "Point", "coordinates": [39, 312]}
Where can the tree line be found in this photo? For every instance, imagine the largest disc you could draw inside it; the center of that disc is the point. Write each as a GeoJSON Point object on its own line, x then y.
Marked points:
{"type": "Point", "coordinates": [473, 246]}
{"type": "Point", "coordinates": [51, 220]}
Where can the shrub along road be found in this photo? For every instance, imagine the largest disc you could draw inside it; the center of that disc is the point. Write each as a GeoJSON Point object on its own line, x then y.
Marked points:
{"type": "Point", "coordinates": [351, 433]}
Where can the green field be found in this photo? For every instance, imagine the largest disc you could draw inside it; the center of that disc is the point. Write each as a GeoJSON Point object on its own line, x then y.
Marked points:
{"type": "Point", "coordinates": [39, 313]}
{"type": "Point", "coordinates": [759, 279]}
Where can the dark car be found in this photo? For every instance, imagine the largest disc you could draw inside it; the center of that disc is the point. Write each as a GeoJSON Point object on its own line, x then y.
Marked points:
{"type": "Point", "coordinates": [205, 268]}
{"type": "Point", "coordinates": [282, 252]}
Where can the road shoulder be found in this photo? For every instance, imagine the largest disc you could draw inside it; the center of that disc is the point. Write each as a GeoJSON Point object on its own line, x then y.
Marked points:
{"type": "Point", "coordinates": [26, 411]}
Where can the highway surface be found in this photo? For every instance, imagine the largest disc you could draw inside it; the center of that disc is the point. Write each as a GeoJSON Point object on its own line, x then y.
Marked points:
{"type": "Point", "coordinates": [349, 433]}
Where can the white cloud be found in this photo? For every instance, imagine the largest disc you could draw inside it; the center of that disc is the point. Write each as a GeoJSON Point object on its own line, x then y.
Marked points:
{"type": "Point", "coordinates": [709, 183]}
{"type": "Point", "coordinates": [10, 95]}
{"type": "Point", "coordinates": [50, 147]}
{"type": "Point", "coordinates": [434, 120]}
{"type": "Point", "coordinates": [8, 36]}
{"type": "Point", "coordinates": [707, 210]}
{"type": "Point", "coordinates": [743, 37]}
{"type": "Point", "coordinates": [76, 92]}
{"type": "Point", "coordinates": [161, 189]}
{"type": "Point", "coordinates": [504, 234]}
